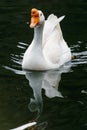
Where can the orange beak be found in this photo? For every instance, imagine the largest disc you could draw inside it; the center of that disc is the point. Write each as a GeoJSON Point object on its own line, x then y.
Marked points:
{"type": "Point", "coordinates": [35, 19]}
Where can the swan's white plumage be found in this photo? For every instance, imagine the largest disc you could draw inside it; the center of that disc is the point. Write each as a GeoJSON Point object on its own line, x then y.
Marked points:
{"type": "Point", "coordinates": [48, 49]}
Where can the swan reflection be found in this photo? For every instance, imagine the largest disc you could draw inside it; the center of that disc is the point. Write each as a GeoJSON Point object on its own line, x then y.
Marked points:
{"type": "Point", "coordinates": [49, 81]}
{"type": "Point", "coordinates": [35, 82]}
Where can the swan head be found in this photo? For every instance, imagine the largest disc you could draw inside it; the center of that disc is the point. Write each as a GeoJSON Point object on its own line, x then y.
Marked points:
{"type": "Point", "coordinates": [37, 18]}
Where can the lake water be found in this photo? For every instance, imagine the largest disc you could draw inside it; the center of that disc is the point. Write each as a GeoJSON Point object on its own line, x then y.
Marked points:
{"type": "Point", "coordinates": [57, 100]}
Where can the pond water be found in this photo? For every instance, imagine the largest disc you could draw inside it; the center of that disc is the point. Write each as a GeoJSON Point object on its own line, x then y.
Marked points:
{"type": "Point", "coordinates": [57, 100]}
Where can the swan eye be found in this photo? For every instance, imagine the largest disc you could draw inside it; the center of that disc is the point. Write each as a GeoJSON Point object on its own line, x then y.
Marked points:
{"type": "Point", "coordinates": [40, 14]}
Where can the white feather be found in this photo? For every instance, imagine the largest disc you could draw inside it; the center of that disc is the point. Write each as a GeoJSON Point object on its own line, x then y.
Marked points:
{"type": "Point", "coordinates": [61, 18]}
{"type": "Point", "coordinates": [24, 126]}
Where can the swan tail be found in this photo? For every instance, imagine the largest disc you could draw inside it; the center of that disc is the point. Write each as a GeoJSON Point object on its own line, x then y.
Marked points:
{"type": "Point", "coordinates": [61, 18]}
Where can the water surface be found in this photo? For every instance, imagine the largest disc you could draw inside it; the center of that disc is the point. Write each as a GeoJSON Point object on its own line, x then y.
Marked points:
{"type": "Point", "coordinates": [60, 100]}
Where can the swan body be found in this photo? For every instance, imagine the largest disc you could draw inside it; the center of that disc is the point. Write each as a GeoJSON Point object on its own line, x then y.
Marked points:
{"type": "Point", "coordinates": [48, 49]}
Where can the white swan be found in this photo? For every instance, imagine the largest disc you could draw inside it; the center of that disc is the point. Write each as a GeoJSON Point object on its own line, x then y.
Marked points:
{"type": "Point", "coordinates": [48, 49]}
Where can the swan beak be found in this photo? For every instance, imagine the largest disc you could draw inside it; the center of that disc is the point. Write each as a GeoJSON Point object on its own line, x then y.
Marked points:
{"type": "Point", "coordinates": [35, 19]}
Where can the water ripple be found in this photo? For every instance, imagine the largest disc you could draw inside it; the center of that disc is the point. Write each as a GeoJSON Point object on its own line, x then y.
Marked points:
{"type": "Point", "coordinates": [80, 56]}
{"type": "Point", "coordinates": [80, 53]}
{"type": "Point", "coordinates": [16, 71]}
{"type": "Point", "coordinates": [22, 45]}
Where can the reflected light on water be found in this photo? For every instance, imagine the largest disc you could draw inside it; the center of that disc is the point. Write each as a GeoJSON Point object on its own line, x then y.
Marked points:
{"type": "Point", "coordinates": [22, 45]}
{"type": "Point", "coordinates": [81, 58]}
{"type": "Point", "coordinates": [80, 54]}
{"type": "Point", "coordinates": [15, 70]}
{"type": "Point", "coordinates": [25, 126]}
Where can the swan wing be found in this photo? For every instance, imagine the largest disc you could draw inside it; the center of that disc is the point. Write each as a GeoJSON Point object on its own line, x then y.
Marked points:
{"type": "Point", "coordinates": [54, 46]}
{"type": "Point", "coordinates": [51, 25]}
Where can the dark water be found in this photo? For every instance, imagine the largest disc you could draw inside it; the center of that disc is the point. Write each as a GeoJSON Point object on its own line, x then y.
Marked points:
{"type": "Point", "coordinates": [57, 100]}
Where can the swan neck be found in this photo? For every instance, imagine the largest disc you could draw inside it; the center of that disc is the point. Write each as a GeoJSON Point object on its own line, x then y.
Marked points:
{"type": "Point", "coordinates": [38, 34]}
